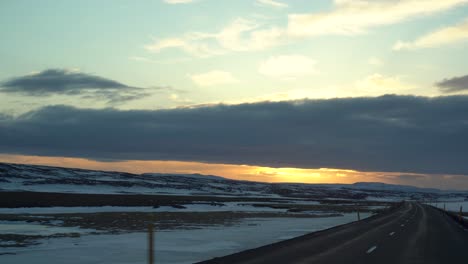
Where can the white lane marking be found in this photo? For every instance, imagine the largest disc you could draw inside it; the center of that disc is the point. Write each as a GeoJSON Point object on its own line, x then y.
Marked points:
{"type": "Point", "coordinates": [371, 249]}
{"type": "Point", "coordinates": [391, 234]}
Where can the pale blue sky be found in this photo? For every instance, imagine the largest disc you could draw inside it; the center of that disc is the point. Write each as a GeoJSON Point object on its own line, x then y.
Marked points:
{"type": "Point", "coordinates": [83, 71]}
{"type": "Point", "coordinates": [113, 40]}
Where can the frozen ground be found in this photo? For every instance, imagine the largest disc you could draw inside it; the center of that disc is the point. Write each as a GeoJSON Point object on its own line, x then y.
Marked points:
{"type": "Point", "coordinates": [177, 246]}
{"type": "Point", "coordinates": [201, 217]}
{"type": "Point", "coordinates": [385, 198]}
{"type": "Point", "coordinates": [25, 228]}
{"type": "Point", "coordinates": [20, 177]}
{"type": "Point", "coordinates": [193, 207]}
{"type": "Point", "coordinates": [453, 205]}
{"type": "Point", "coordinates": [197, 207]}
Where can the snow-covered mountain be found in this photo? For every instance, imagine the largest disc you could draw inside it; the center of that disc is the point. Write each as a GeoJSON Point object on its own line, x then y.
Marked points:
{"type": "Point", "coordinates": [19, 177]}
{"type": "Point", "coordinates": [379, 186]}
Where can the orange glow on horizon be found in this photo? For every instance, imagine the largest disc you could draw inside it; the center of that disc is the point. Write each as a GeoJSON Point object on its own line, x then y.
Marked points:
{"type": "Point", "coordinates": [240, 172]}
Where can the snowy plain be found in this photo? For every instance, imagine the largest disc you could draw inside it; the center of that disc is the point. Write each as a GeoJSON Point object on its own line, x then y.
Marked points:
{"type": "Point", "coordinates": [453, 205]}
{"type": "Point", "coordinates": [196, 207]}
{"type": "Point", "coordinates": [177, 246]}
{"type": "Point", "coordinates": [25, 228]}
{"type": "Point", "coordinates": [172, 247]}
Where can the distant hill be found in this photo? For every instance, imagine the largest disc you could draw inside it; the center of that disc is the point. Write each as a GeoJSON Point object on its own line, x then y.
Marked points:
{"type": "Point", "coordinates": [390, 187]}
{"type": "Point", "coordinates": [20, 177]}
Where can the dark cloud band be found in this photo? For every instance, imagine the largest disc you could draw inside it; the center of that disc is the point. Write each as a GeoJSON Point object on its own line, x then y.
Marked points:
{"type": "Point", "coordinates": [64, 82]}
{"type": "Point", "coordinates": [455, 84]}
{"type": "Point", "coordinates": [58, 81]}
{"type": "Point", "coordinates": [388, 133]}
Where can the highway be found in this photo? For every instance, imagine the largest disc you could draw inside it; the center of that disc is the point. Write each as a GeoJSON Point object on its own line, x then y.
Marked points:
{"type": "Point", "coordinates": [413, 233]}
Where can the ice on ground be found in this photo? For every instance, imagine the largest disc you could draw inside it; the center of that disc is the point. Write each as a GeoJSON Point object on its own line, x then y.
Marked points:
{"type": "Point", "coordinates": [172, 247]}
{"type": "Point", "coordinates": [195, 207]}
{"type": "Point", "coordinates": [78, 209]}
{"type": "Point", "coordinates": [91, 189]}
{"type": "Point", "coordinates": [376, 207]}
{"type": "Point", "coordinates": [301, 201]}
{"type": "Point", "coordinates": [25, 228]}
{"type": "Point", "coordinates": [228, 206]}
{"type": "Point", "coordinates": [386, 198]}
{"type": "Point", "coordinates": [452, 205]}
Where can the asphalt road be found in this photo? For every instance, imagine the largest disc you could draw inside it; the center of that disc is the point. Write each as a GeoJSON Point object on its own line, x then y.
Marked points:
{"type": "Point", "coordinates": [413, 233]}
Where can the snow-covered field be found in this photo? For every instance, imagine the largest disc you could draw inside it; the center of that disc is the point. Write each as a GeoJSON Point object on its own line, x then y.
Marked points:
{"type": "Point", "coordinates": [24, 228]}
{"type": "Point", "coordinates": [19, 177]}
{"type": "Point", "coordinates": [199, 217]}
{"type": "Point", "coordinates": [454, 205]}
{"type": "Point", "coordinates": [176, 246]}
{"type": "Point", "coordinates": [200, 207]}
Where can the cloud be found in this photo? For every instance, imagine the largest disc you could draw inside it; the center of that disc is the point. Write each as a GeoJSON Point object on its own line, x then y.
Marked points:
{"type": "Point", "coordinates": [374, 61]}
{"type": "Point", "coordinates": [178, 1]}
{"type": "Point", "coordinates": [455, 84]}
{"type": "Point", "coordinates": [60, 81]}
{"type": "Point", "coordinates": [347, 17]}
{"type": "Point", "coordinates": [443, 36]}
{"type": "Point", "coordinates": [190, 44]}
{"type": "Point", "coordinates": [71, 82]}
{"type": "Point", "coordinates": [272, 3]}
{"type": "Point", "coordinates": [239, 35]}
{"type": "Point", "coordinates": [288, 66]}
{"type": "Point", "coordinates": [352, 17]}
{"type": "Point", "coordinates": [387, 133]}
{"type": "Point", "coordinates": [211, 78]}
{"type": "Point", "coordinates": [378, 84]}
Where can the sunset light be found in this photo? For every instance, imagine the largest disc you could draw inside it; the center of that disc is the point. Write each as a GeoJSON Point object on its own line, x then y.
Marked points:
{"type": "Point", "coordinates": [233, 131]}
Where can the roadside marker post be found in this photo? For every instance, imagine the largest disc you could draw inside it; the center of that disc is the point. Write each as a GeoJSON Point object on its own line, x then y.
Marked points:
{"type": "Point", "coordinates": [358, 216]}
{"type": "Point", "coordinates": [460, 215]}
{"type": "Point", "coordinates": [150, 243]}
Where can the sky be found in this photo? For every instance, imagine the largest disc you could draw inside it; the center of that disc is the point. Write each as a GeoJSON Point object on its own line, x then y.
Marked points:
{"type": "Point", "coordinates": [265, 90]}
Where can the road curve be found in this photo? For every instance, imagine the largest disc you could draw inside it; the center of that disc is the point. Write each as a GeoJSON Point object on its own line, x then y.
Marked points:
{"type": "Point", "coordinates": [413, 233]}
